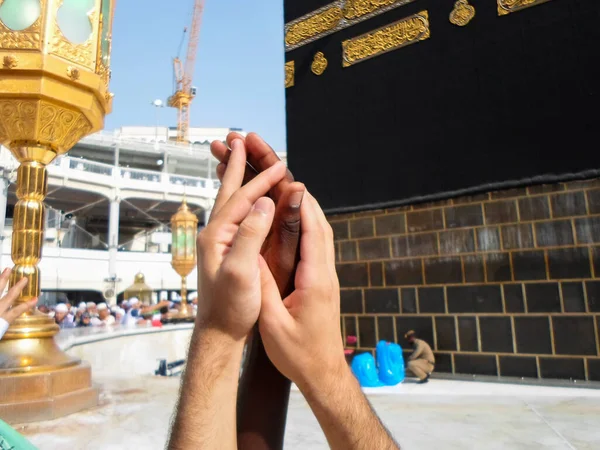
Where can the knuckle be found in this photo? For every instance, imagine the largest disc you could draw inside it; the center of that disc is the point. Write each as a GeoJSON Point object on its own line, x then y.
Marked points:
{"type": "Point", "coordinates": [248, 229]}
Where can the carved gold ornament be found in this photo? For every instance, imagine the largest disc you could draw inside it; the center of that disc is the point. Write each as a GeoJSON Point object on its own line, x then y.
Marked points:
{"type": "Point", "coordinates": [509, 6]}
{"type": "Point", "coordinates": [334, 17]}
{"type": "Point", "coordinates": [9, 62]}
{"type": "Point", "coordinates": [319, 64]}
{"type": "Point", "coordinates": [399, 34]}
{"type": "Point", "coordinates": [289, 74]}
{"type": "Point", "coordinates": [462, 13]}
{"type": "Point", "coordinates": [73, 73]}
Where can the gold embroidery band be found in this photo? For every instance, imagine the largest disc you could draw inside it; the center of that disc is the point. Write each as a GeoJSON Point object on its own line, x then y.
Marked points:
{"type": "Point", "coordinates": [509, 6]}
{"type": "Point", "coordinates": [334, 17]}
{"type": "Point", "coordinates": [399, 34]}
{"type": "Point", "coordinates": [290, 70]}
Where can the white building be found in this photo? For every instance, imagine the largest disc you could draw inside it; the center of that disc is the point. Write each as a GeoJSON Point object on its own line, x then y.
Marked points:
{"type": "Point", "coordinates": [109, 204]}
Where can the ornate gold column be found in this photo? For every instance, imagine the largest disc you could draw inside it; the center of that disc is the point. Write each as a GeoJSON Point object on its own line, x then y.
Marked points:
{"type": "Point", "coordinates": [184, 227]}
{"type": "Point", "coordinates": [54, 74]}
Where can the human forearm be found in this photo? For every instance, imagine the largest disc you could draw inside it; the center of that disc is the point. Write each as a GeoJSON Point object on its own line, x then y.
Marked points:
{"type": "Point", "coordinates": [205, 416]}
{"type": "Point", "coordinates": [345, 414]}
{"type": "Point", "coordinates": [262, 401]}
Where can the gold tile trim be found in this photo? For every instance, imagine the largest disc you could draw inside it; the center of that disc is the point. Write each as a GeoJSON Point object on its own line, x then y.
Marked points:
{"type": "Point", "coordinates": [290, 71]}
{"type": "Point", "coordinates": [399, 34]}
{"type": "Point", "coordinates": [333, 17]}
{"type": "Point", "coordinates": [508, 6]}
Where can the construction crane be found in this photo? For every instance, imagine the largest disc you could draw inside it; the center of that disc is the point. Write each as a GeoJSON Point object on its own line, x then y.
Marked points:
{"type": "Point", "coordinates": [184, 74]}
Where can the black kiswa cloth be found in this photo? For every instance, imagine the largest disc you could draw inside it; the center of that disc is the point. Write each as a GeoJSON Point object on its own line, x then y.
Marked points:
{"type": "Point", "coordinates": [504, 101]}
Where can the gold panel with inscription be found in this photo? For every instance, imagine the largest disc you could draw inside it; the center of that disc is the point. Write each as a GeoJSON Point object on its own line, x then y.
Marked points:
{"type": "Point", "coordinates": [313, 25]}
{"type": "Point", "coordinates": [399, 34]}
{"type": "Point", "coordinates": [319, 64]}
{"type": "Point", "coordinates": [358, 8]}
{"type": "Point", "coordinates": [462, 13]}
{"type": "Point", "coordinates": [509, 6]}
{"type": "Point", "coordinates": [334, 17]}
{"type": "Point", "coordinates": [289, 74]}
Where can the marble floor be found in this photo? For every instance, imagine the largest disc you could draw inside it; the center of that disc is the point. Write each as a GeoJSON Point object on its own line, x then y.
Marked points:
{"type": "Point", "coordinates": [444, 414]}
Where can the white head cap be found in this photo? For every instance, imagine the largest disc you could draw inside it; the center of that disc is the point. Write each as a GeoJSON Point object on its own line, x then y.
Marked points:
{"type": "Point", "coordinates": [90, 304]}
{"type": "Point", "coordinates": [102, 306]}
{"type": "Point", "coordinates": [61, 308]}
{"type": "Point", "coordinates": [134, 301]}
{"type": "Point", "coordinates": [82, 305]}
{"type": "Point", "coordinates": [193, 296]}
{"type": "Point", "coordinates": [120, 311]}
{"type": "Point", "coordinates": [73, 309]}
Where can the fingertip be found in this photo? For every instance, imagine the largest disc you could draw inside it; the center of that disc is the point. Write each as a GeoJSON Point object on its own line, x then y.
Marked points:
{"type": "Point", "coordinates": [297, 195]}
{"type": "Point", "coordinates": [237, 144]}
{"type": "Point", "coordinates": [264, 205]}
{"type": "Point", "coordinates": [232, 136]}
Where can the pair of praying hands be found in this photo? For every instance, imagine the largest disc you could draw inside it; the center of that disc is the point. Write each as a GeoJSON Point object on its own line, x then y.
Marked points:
{"type": "Point", "coordinates": [268, 237]}
{"type": "Point", "coordinates": [267, 256]}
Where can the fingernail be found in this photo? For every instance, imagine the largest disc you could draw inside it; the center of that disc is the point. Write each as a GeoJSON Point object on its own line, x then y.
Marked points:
{"type": "Point", "coordinates": [237, 143]}
{"type": "Point", "coordinates": [263, 205]}
{"type": "Point", "coordinates": [296, 199]}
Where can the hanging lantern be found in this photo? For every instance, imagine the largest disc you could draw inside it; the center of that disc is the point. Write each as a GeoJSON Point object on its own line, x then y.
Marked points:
{"type": "Point", "coordinates": [184, 227]}
{"type": "Point", "coordinates": [54, 72]}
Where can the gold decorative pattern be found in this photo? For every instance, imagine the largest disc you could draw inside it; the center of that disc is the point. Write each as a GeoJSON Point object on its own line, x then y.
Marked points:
{"type": "Point", "coordinates": [9, 62]}
{"type": "Point", "coordinates": [104, 73]}
{"type": "Point", "coordinates": [17, 118]}
{"type": "Point", "coordinates": [509, 6]}
{"type": "Point", "coordinates": [82, 127]}
{"type": "Point", "coordinates": [358, 8]}
{"type": "Point", "coordinates": [313, 25]}
{"type": "Point", "coordinates": [36, 120]}
{"type": "Point", "coordinates": [290, 70]}
{"type": "Point", "coordinates": [462, 13]}
{"type": "Point", "coordinates": [29, 38]}
{"type": "Point", "coordinates": [82, 54]}
{"type": "Point", "coordinates": [73, 73]}
{"type": "Point", "coordinates": [334, 17]}
{"type": "Point", "coordinates": [399, 34]}
{"type": "Point", "coordinates": [319, 64]}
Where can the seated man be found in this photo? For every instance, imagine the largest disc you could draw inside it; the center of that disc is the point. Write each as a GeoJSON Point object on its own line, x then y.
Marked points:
{"type": "Point", "coordinates": [422, 361]}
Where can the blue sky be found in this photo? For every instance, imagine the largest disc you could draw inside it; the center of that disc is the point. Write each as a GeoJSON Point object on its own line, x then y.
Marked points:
{"type": "Point", "coordinates": [239, 67]}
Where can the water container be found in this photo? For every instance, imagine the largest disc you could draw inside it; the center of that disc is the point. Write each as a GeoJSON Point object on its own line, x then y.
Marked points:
{"type": "Point", "coordinates": [364, 369]}
{"type": "Point", "coordinates": [390, 363]}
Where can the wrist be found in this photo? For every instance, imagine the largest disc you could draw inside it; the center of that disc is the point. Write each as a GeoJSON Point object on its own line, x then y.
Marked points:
{"type": "Point", "coordinates": [325, 383]}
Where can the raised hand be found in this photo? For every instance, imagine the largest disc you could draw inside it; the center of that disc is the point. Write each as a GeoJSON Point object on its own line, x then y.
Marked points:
{"type": "Point", "coordinates": [264, 392]}
{"type": "Point", "coordinates": [229, 288]}
{"type": "Point", "coordinates": [229, 247]}
{"type": "Point", "coordinates": [303, 339]}
{"type": "Point", "coordinates": [281, 247]}
{"type": "Point", "coordinates": [8, 312]}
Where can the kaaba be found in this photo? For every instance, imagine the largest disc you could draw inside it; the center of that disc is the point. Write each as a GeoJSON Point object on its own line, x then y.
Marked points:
{"type": "Point", "coordinates": [393, 102]}
{"type": "Point", "coordinates": [452, 145]}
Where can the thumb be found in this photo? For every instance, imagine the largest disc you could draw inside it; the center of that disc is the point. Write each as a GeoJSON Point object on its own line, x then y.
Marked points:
{"type": "Point", "coordinates": [273, 313]}
{"type": "Point", "coordinates": [252, 234]}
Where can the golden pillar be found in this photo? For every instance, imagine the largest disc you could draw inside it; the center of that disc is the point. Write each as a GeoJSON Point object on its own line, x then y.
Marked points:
{"type": "Point", "coordinates": [54, 75]}
{"type": "Point", "coordinates": [184, 227]}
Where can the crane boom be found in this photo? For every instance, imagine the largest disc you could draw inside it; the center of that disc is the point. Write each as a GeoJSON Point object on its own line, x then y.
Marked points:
{"type": "Point", "coordinates": [192, 50]}
{"type": "Point", "coordinates": [184, 93]}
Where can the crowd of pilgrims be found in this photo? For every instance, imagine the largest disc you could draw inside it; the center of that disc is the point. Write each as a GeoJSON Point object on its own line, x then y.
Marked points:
{"type": "Point", "coordinates": [127, 312]}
